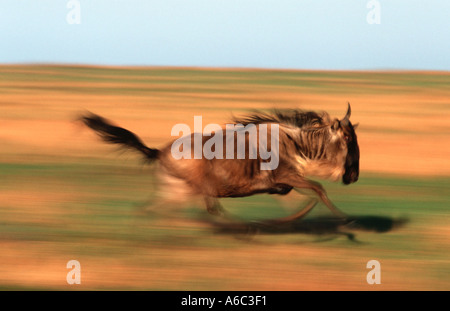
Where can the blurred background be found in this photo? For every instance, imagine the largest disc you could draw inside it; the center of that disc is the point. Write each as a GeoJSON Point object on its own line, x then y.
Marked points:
{"type": "Point", "coordinates": [148, 65]}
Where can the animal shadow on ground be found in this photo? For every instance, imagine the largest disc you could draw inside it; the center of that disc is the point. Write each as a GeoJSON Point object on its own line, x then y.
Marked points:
{"type": "Point", "coordinates": [320, 226]}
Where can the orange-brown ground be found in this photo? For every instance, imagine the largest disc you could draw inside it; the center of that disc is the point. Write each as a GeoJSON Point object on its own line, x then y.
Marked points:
{"type": "Point", "coordinates": [404, 131]}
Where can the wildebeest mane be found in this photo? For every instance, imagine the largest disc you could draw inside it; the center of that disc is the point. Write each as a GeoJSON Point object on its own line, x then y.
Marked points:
{"type": "Point", "coordinates": [290, 117]}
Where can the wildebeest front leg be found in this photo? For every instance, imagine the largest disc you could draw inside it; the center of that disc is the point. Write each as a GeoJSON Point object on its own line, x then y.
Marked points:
{"type": "Point", "coordinates": [300, 214]}
{"type": "Point", "coordinates": [302, 183]}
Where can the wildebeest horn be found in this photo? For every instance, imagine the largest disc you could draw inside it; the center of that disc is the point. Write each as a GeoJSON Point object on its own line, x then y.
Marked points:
{"type": "Point", "coordinates": [349, 112]}
{"type": "Point", "coordinates": [345, 121]}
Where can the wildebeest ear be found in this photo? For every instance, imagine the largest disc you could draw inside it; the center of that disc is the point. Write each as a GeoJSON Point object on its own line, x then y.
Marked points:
{"type": "Point", "coordinates": [335, 125]}
{"type": "Point", "coordinates": [355, 126]}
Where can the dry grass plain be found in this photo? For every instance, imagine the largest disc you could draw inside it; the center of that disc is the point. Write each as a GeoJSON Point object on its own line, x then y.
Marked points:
{"type": "Point", "coordinates": [65, 195]}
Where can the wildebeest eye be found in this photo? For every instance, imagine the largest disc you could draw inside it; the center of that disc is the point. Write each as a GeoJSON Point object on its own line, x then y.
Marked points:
{"type": "Point", "coordinates": [347, 137]}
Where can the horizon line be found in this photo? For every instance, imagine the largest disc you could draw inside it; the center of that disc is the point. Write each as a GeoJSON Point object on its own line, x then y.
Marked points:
{"type": "Point", "coordinates": [221, 68]}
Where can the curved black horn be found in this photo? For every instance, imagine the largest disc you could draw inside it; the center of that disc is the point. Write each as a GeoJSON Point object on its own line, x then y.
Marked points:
{"type": "Point", "coordinates": [349, 112]}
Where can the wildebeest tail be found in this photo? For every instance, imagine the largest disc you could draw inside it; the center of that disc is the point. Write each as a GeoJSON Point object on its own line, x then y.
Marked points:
{"type": "Point", "coordinates": [117, 135]}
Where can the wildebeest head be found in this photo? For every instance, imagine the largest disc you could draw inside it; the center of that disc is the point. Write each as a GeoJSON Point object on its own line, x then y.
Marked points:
{"type": "Point", "coordinates": [346, 130]}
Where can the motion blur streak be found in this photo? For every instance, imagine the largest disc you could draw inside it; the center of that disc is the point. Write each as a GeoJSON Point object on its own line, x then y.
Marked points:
{"type": "Point", "coordinates": [65, 196]}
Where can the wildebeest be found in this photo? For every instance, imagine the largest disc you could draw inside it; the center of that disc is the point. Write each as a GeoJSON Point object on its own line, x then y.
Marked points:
{"type": "Point", "coordinates": [310, 144]}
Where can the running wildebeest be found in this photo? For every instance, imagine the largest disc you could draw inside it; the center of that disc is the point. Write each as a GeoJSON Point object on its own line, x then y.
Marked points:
{"type": "Point", "coordinates": [309, 144]}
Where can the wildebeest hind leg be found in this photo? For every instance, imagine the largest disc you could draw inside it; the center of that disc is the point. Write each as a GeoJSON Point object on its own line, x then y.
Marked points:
{"type": "Point", "coordinates": [213, 206]}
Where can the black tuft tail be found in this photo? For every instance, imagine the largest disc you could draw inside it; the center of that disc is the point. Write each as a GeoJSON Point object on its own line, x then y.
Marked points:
{"type": "Point", "coordinates": [117, 135]}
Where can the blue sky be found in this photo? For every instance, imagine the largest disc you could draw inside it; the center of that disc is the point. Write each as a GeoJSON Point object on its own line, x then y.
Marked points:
{"type": "Point", "coordinates": [297, 34]}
